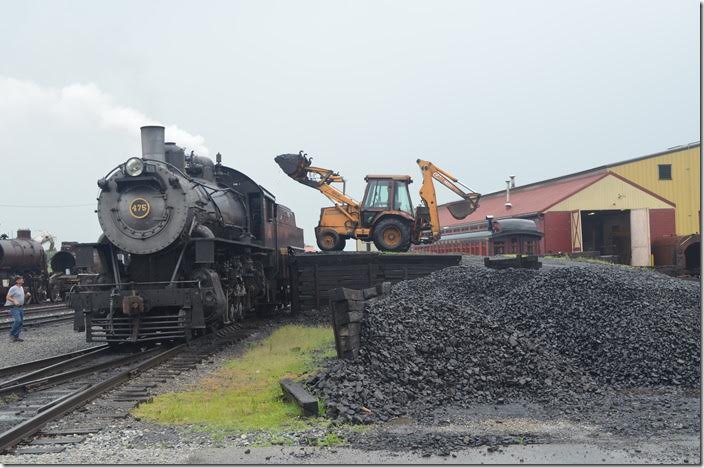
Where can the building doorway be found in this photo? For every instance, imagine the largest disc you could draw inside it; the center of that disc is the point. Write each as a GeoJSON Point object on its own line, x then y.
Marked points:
{"type": "Point", "coordinates": [609, 233]}
{"type": "Point", "coordinates": [692, 258]}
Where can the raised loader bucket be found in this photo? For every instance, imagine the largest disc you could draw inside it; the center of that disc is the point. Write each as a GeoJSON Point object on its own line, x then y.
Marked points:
{"type": "Point", "coordinates": [293, 165]}
{"type": "Point", "coordinates": [463, 208]}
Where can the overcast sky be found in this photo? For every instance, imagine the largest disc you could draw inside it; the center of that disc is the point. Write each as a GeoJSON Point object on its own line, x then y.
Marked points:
{"type": "Point", "coordinates": [482, 88]}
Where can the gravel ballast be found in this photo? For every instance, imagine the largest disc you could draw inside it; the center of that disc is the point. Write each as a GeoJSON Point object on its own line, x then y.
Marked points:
{"type": "Point", "coordinates": [41, 342]}
{"type": "Point", "coordinates": [562, 337]}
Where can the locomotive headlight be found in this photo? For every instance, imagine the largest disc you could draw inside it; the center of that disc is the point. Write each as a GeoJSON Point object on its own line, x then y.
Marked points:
{"type": "Point", "coordinates": [134, 167]}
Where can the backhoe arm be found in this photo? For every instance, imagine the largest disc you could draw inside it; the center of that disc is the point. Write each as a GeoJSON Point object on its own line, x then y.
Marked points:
{"type": "Point", "coordinates": [459, 210]}
{"type": "Point", "coordinates": [298, 167]}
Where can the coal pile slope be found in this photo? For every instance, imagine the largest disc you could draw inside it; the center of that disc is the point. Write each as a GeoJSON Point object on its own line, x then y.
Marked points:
{"type": "Point", "coordinates": [625, 327]}
{"type": "Point", "coordinates": [468, 334]}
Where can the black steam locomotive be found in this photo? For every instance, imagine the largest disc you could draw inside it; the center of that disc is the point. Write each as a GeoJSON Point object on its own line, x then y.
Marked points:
{"type": "Point", "coordinates": [66, 274]}
{"type": "Point", "coordinates": [26, 257]}
{"type": "Point", "coordinates": [187, 245]}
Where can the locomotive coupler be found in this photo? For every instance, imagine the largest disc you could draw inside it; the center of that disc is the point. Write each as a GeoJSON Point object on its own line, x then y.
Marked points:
{"type": "Point", "coordinates": [132, 305]}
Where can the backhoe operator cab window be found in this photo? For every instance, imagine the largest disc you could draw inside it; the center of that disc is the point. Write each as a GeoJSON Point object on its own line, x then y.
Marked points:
{"type": "Point", "coordinates": [377, 195]}
{"type": "Point", "coordinates": [402, 199]}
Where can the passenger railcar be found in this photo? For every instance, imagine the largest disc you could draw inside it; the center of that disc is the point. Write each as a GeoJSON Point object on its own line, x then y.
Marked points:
{"type": "Point", "coordinates": [494, 237]}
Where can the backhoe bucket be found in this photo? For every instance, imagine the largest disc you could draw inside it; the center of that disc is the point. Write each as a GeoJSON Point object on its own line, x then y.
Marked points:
{"type": "Point", "coordinates": [463, 208]}
{"type": "Point", "coordinates": [294, 165]}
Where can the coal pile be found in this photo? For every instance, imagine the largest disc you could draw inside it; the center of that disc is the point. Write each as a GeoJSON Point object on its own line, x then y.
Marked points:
{"type": "Point", "coordinates": [467, 335]}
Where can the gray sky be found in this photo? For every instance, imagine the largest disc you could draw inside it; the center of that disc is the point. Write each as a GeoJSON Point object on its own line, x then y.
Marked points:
{"type": "Point", "coordinates": [482, 88]}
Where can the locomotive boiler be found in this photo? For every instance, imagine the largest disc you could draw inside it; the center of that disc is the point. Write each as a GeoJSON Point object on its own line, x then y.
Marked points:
{"type": "Point", "coordinates": [188, 245]}
{"type": "Point", "coordinates": [26, 257]}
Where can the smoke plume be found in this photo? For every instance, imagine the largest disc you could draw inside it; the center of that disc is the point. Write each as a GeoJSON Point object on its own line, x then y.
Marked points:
{"type": "Point", "coordinates": [82, 105]}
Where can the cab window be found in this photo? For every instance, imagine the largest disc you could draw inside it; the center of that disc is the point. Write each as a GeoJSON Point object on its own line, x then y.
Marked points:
{"type": "Point", "coordinates": [377, 195]}
{"type": "Point", "coordinates": [402, 199]}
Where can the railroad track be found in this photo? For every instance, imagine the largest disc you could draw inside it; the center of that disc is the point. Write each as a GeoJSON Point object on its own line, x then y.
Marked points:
{"type": "Point", "coordinates": [48, 389]}
{"type": "Point", "coordinates": [39, 315]}
{"type": "Point", "coordinates": [36, 308]}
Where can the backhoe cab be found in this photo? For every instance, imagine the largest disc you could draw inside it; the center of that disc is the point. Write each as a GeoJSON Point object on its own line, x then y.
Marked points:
{"type": "Point", "coordinates": [385, 215]}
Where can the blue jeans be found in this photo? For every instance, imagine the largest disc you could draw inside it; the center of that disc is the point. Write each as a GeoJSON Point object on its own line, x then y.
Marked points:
{"type": "Point", "coordinates": [17, 314]}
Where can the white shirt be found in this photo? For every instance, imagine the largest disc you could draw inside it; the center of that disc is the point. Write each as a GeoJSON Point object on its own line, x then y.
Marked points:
{"type": "Point", "coordinates": [17, 293]}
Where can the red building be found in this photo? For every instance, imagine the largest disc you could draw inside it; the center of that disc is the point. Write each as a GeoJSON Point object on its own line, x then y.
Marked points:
{"type": "Point", "coordinates": [597, 210]}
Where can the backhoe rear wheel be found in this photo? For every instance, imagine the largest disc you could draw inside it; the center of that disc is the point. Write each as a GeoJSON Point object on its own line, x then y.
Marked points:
{"type": "Point", "coordinates": [392, 235]}
{"type": "Point", "coordinates": [329, 240]}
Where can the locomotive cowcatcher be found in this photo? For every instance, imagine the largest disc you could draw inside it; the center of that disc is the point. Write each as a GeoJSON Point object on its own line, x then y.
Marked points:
{"type": "Point", "coordinates": [188, 245]}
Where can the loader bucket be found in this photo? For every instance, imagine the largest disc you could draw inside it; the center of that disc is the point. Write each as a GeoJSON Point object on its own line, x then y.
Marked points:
{"type": "Point", "coordinates": [293, 165]}
{"type": "Point", "coordinates": [463, 208]}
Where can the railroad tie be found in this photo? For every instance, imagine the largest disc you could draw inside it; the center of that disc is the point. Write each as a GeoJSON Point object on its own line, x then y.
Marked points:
{"type": "Point", "coordinates": [38, 450]}
{"type": "Point", "coordinates": [57, 440]}
{"type": "Point", "coordinates": [71, 431]}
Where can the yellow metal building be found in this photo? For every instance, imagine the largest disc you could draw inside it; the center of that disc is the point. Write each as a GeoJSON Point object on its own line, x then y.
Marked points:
{"type": "Point", "coordinates": [645, 211]}
{"type": "Point", "coordinates": [674, 175]}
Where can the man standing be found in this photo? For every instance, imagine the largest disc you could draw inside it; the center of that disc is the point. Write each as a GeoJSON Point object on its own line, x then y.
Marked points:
{"type": "Point", "coordinates": [15, 299]}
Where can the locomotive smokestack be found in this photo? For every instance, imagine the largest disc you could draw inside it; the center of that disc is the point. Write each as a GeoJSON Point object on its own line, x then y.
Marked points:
{"type": "Point", "coordinates": [153, 142]}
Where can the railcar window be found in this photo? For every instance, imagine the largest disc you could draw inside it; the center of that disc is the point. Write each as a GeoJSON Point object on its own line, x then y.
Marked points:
{"type": "Point", "coordinates": [498, 248]}
{"type": "Point", "coordinates": [269, 210]}
{"type": "Point", "coordinates": [529, 247]}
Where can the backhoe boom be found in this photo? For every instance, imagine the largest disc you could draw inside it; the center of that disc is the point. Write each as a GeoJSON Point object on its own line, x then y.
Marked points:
{"type": "Point", "coordinates": [459, 210]}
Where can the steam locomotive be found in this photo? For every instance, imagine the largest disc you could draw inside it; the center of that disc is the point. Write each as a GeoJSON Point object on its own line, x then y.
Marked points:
{"type": "Point", "coordinates": [26, 257]}
{"type": "Point", "coordinates": [65, 274]}
{"type": "Point", "coordinates": [188, 245]}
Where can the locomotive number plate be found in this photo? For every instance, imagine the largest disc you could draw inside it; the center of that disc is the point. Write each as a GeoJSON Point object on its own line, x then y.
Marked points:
{"type": "Point", "coordinates": [139, 208]}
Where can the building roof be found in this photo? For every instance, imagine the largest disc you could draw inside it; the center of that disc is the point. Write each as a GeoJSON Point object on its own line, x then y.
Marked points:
{"type": "Point", "coordinates": [525, 200]}
{"type": "Point", "coordinates": [603, 168]}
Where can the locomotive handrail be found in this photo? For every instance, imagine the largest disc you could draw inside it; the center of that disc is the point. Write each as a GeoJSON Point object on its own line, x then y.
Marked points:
{"type": "Point", "coordinates": [136, 283]}
{"type": "Point", "coordinates": [185, 176]}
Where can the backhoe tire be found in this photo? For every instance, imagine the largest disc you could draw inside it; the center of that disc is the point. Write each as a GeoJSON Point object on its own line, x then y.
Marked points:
{"type": "Point", "coordinates": [329, 240]}
{"type": "Point", "coordinates": [392, 235]}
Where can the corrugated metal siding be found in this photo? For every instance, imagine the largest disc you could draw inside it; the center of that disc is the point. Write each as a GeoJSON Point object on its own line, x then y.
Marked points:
{"type": "Point", "coordinates": [557, 232]}
{"type": "Point", "coordinates": [610, 193]}
{"type": "Point", "coordinates": [682, 190]}
{"type": "Point", "coordinates": [662, 224]}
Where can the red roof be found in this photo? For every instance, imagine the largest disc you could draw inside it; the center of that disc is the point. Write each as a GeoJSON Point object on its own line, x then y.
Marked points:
{"type": "Point", "coordinates": [533, 199]}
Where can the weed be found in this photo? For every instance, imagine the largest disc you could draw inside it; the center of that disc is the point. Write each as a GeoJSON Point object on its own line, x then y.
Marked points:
{"type": "Point", "coordinates": [245, 394]}
{"type": "Point", "coordinates": [330, 440]}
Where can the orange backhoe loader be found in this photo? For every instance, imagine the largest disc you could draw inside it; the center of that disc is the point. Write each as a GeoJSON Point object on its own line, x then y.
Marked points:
{"type": "Point", "coordinates": [385, 215]}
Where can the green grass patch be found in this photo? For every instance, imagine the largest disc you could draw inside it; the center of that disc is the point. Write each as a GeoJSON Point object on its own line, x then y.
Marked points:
{"type": "Point", "coordinates": [245, 395]}
{"type": "Point", "coordinates": [330, 440]}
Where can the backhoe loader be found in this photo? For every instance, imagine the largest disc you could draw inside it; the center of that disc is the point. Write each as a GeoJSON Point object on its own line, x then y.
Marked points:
{"type": "Point", "coordinates": [385, 215]}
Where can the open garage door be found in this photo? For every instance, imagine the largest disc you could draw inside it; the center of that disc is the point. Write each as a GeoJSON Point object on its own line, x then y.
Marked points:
{"type": "Point", "coordinates": [608, 232]}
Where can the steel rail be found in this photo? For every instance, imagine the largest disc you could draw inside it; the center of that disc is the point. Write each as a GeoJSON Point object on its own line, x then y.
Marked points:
{"type": "Point", "coordinates": [51, 368]}
{"type": "Point", "coordinates": [39, 363]}
{"type": "Point", "coordinates": [42, 307]}
{"type": "Point", "coordinates": [56, 379]}
{"type": "Point", "coordinates": [34, 321]}
{"type": "Point", "coordinates": [11, 437]}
